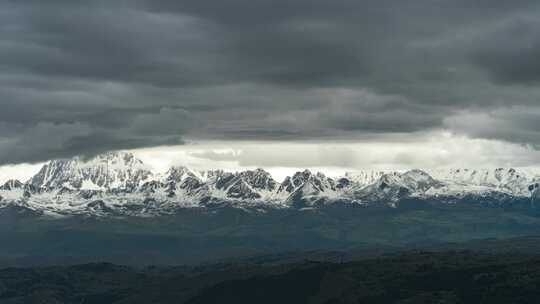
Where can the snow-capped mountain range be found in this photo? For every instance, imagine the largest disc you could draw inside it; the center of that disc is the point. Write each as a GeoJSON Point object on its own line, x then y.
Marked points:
{"type": "Point", "coordinates": [117, 183]}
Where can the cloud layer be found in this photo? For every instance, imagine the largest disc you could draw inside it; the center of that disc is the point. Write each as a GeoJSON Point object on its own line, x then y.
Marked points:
{"type": "Point", "coordinates": [82, 77]}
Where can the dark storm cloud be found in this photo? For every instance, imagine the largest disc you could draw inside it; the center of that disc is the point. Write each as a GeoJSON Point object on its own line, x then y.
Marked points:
{"type": "Point", "coordinates": [90, 76]}
{"type": "Point", "coordinates": [512, 53]}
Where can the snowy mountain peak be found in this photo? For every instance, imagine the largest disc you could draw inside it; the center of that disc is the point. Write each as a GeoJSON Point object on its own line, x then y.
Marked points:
{"type": "Point", "coordinates": [364, 178]}
{"type": "Point", "coordinates": [179, 173]}
{"type": "Point", "coordinates": [504, 179]}
{"type": "Point", "coordinates": [259, 179]}
{"type": "Point", "coordinates": [315, 183]}
{"type": "Point", "coordinates": [105, 171]}
{"type": "Point", "coordinates": [119, 183]}
{"type": "Point", "coordinates": [394, 186]}
{"type": "Point", "coordinates": [12, 184]}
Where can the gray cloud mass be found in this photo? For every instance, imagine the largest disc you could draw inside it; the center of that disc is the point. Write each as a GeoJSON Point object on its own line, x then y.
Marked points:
{"type": "Point", "coordinates": [83, 77]}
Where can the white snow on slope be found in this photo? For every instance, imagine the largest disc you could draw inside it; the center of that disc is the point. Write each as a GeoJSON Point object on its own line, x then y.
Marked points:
{"type": "Point", "coordinates": [119, 183]}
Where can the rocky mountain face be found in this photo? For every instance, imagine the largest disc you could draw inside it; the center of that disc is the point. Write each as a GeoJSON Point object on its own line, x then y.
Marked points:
{"type": "Point", "coordinates": [393, 186]}
{"type": "Point", "coordinates": [506, 180]}
{"type": "Point", "coordinates": [117, 183]}
{"type": "Point", "coordinates": [114, 170]}
{"type": "Point", "coordinates": [12, 184]}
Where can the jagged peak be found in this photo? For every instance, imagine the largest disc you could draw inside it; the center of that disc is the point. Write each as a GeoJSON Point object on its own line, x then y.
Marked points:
{"type": "Point", "coordinates": [116, 169]}
{"type": "Point", "coordinates": [259, 179]}
{"type": "Point", "coordinates": [179, 173]}
{"type": "Point", "coordinates": [115, 159]}
{"type": "Point", "coordinates": [302, 175]}
{"type": "Point", "coordinates": [320, 175]}
{"type": "Point", "coordinates": [258, 186]}
{"type": "Point", "coordinates": [12, 184]}
{"type": "Point", "coordinates": [306, 172]}
{"type": "Point", "coordinates": [256, 173]}
{"type": "Point", "coordinates": [300, 179]}
{"type": "Point", "coordinates": [408, 181]}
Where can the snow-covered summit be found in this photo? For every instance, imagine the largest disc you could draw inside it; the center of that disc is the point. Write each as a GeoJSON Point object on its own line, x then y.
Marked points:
{"type": "Point", "coordinates": [113, 170]}
{"type": "Point", "coordinates": [509, 180]}
{"type": "Point", "coordinates": [119, 182]}
{"type": "Point", "coordinates": [12, 184]}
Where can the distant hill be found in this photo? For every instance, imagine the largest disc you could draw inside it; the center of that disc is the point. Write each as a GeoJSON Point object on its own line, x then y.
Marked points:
{"type": "Point", "coordinates": [411, 277]}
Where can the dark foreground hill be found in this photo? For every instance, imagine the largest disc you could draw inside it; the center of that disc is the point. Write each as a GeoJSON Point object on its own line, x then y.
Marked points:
{"type": "Point", "coordinates": [414, 277]}
{"type": "Point", "coordinates": [194, 236]}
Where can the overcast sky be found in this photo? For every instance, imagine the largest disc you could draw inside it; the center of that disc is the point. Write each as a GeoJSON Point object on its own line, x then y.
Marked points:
{"type": "Point", "coordinates": [393, 78]}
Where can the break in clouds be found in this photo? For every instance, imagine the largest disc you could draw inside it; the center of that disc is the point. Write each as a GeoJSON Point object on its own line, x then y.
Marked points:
{"type": "Point", "coordinates": [84, 77]}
